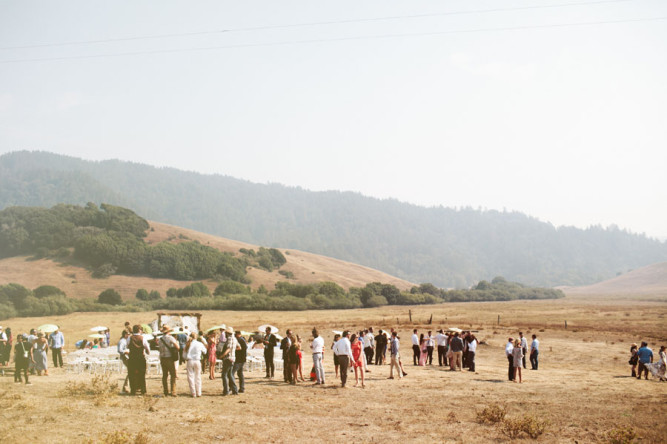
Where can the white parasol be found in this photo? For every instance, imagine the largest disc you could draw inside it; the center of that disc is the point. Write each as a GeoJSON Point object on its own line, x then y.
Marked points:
{"type": "Point", "coordinates": [262, 328]}
{"type": "Point", "coordinates": [454, 330]}
{"type": "Point", "coordinates": [99, 328]}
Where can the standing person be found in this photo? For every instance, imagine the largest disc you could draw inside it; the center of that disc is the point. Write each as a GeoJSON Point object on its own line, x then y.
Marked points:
{"type": "Point", "coordinates": [430, 346]}
{"type": "Point", "coordinates": [423, 350]}
{"type": "Point", "coordinates": [137, 350]}
{"type": "Point", "coordinates": [228, 358]}
{"type": "Point", "coordinates": [241, 356]}
{"type": "Point", "coordinates": [170, 350]}
{"type": "Point", "coordinates": [22, 359]}
{"type": "Point", "coordinates": [285, 345]}
{"type": "Point", "coordinates": [270, 341]}
{"type": "Point", "coordinates": [335, 356]}
{"type": "Point", "coordinates": [57, 342]}
{"type": "Point", "coordinates": [535, 351]}
{"type": "Point", "coordinates": [194, 349]}
{"type": "Point", "coordinates": [3, 346]}
{"type": "Point", "coordinates": [456, 348]}
{"type": "Point", "coordinates": [299, 355]}
{"type": "Point", "coordinates": [416, 349]}
{"type": "Point", "coordinates": [121, 347]}
{"type": "Point", "coordinates": [472, 349]}
{"type": "Point", "coordinates": [357, 360]}
{"type": "Point", "coordinates": [182, 340]}
{"type": "Point", "coordinates": [211, 349]}
{"type": "Point", "coordinates": [517, 357]}
{"type": "Point", "coordinates": [509, 348]}
{"type": "Point", "coordinates": [293, 358]}
{"type": "Point", "coordinates": [633, 359]}
{"type": "Point", "coordinates": [659, 369]}
{"type": "Point", "coordinates": [343, 349]}
{"type": "Point", "coordinates": [369, 341]}
{"type": "Point", "coordinates": [317, 347]}
{"type": "Point", "coordinates": [524, 348]}
{"type": "Point", "coordinates": [645, 356]}
{"type": "Point", "coordinates": [40, 348]}
{"type": "Point", "coordinates": [441, 340]}
{"type": "Point", "coordinates": [128, 329]}
{"type": "Point", "coordinates": [394, 346]}
{"type": "Point", "coordinates": [380, 347]}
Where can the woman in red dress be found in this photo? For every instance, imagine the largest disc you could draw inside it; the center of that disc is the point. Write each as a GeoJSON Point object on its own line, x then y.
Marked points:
{"type": "Point", "coordinates": [210, 352]}
{"type": "Point", "coordinates": [357, 362]}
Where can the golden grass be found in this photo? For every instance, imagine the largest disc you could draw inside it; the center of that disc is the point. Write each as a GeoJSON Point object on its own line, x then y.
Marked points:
{"type": "Point", "coordinates": [583, 387]}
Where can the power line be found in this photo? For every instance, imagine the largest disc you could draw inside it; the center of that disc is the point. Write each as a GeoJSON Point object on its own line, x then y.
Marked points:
{"type": "Point", "coordinates": [296, 25]}
{"type": "Point", "coordinates": [339, 39]}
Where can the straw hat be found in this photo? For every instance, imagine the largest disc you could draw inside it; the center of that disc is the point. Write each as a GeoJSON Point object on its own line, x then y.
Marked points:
{"type": "Point", "coordinates": [166, 329]}
{"type": "Point", "coordinates": [229, 330]}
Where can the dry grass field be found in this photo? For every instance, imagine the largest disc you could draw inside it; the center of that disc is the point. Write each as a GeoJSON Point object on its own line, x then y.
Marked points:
{"type": "Point", "coordinates": [583, 388]}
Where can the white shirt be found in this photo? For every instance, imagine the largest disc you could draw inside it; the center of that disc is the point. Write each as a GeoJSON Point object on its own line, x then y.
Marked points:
{"type": "Point", "coordinates": [430, 342]}
{"type": "Point", "coordinates": [441, 338]}
{"type": "Point", "coordinates": [3, 336]}
{"type": "Point", "coordinates": [368, 340]}
{"type": "Point", "coordinates": [472, 346]}
{"type": "Point", "coordinates": [343, 348]}
{"type": "Point", "coordinates": [415, 339]}
{"type": "Point", "coordinates": [318, 345]}
{"type": "Point", "coordinates": [524, 343]}
{"type": "Point", "coordinates": [122, 345]}
{"type": "Point", "coordinates": [195, 351]}
{"type": "Point", "coordinates": [535, 345]}
{"type": "Point", "coordinates": [508, 349]}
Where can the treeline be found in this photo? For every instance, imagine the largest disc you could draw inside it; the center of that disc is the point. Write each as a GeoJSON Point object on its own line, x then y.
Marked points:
{"type": "Point", "coordinates": [452, 248]}
{"type": "Point", "coordinates": [110, 241]}
{"type": "Point", "coordinates": [16, 300]}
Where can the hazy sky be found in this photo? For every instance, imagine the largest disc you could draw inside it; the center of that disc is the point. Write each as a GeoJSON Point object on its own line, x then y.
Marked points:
{"type": "Point", "coordinates": [498, 108]}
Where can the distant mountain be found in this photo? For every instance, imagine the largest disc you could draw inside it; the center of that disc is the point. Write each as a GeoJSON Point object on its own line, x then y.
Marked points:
{"type": "Point", "coordinates": [445, 246]}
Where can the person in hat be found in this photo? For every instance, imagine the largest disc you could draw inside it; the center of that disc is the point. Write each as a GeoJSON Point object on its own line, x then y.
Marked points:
{"type": "Point", "coordinates": [169, 352]}
{"type": "Point", "coordinates": [228, 359]}
{"type": "Point", "coordinates": [22, 358]}
{"type": "Point", "coordinates": [57, 342]}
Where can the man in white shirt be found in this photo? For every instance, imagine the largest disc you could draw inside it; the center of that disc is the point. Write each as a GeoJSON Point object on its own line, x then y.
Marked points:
{"type": "Point", "coordinates": [317, 347]}
{"type": "Point", "coordinates": [369, 343]}
{"type": "Point", "coordinates": [509, 348]}
{"type": "Point", "coordinates": [430, 345]}
{"type": "Point", "coordinates": [441, 340]}
{"type": "Point", "coordinates": [416, 351]}
{"type": "Point", "coordinates": [343, 349]}
{"type": "Point", "coordinates": [122, 346]}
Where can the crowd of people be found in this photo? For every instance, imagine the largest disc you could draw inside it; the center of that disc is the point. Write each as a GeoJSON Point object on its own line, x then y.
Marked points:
{"type": "Point", "coordinates": [352, 352]}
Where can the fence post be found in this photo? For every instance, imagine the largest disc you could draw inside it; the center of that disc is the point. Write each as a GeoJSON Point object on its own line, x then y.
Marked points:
{"type": "Point", "coordinates": [410, 314]}
{"type": "Point", "coordinates": [498, 319]}
{"type": "Point", "coordinates": [565, 325]}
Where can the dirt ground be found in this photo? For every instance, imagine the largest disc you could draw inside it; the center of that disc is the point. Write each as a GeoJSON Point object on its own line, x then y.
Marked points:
{"type": "Point", "coordinates": [583, 387]}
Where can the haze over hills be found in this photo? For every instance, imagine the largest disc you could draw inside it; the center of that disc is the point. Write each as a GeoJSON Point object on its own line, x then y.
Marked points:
{"type": "Point", "coordinates": [646, 281]}
{"type": "Point", "coordinates": [445, 246]}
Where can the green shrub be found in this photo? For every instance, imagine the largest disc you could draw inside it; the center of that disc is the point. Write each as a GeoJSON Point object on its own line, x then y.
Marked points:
{"type": "Point", "coordinates": [110, 297]}
{"type": "Point", "coordinates": [621, 435]}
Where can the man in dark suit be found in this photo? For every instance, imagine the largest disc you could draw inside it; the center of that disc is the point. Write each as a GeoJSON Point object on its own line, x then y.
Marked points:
{"type": "Point", "coordinates": [269, 341]}
{"type": "Point", "coordinates": [285, 344]}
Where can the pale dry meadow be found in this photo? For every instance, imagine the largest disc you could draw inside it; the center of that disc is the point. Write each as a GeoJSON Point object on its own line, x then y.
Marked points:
{"type": "Point", "coordinates": [583, 389]}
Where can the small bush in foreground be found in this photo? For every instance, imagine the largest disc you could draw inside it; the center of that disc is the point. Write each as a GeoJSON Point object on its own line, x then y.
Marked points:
{"type": "Point", "coordinates": [121, 437]}
{"type": "Point", "coordinates": [621, 435]}
{"type": "Point", "coordinates": [492, 414]}
{"type": "Point", "coordinates": [530, 425]}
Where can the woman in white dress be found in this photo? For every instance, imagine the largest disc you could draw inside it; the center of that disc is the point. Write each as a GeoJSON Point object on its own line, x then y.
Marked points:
{"type": "Point", "coordinates": [517, 357]}
{"type": "Point", "coordinates": [658, 369]}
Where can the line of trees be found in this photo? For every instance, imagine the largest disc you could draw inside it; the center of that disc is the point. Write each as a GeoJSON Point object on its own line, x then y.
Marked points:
{"type": "Point", "coordinates": [16, 300]}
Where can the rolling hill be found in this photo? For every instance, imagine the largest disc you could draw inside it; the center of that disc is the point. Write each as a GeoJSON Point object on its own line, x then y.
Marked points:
{"type": "Point", "coordinates": [448, 247]}
{"type": "Point", "coordinates": [77, 282]}
{"type": "Point", "coordinates": [646, 281]}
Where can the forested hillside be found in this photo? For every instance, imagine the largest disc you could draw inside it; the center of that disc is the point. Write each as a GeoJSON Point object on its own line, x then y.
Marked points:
{"type": "Point", "coordinates": [445, 246]}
